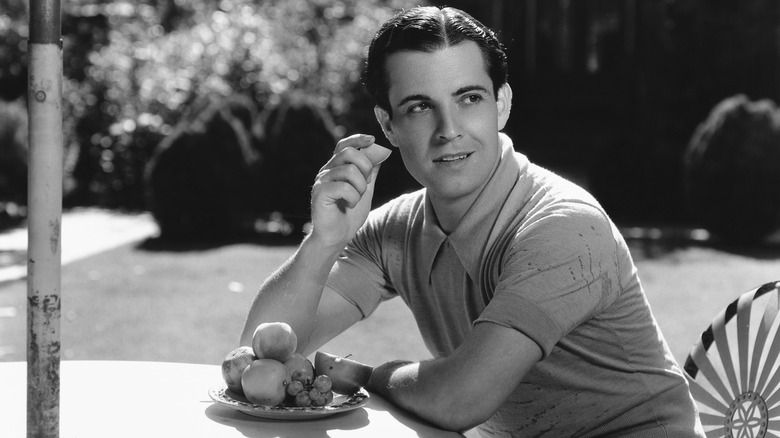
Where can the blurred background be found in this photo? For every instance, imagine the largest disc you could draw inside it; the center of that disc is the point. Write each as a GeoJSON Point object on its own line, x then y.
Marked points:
{"type": "Point", "coordinates": [195, 109]}
{"type": "Point", "coordinates": [213, 117]}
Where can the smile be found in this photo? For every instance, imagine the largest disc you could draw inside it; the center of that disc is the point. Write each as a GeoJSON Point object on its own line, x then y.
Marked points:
{"type": "Point", "coordinates": [452, 158]}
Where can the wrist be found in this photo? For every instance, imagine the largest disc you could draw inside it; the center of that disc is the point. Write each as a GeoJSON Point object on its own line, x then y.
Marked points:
{"type": "Point", "coordinates": [388, 375]}
{"type": "Point", "coordinates": [324, 244]}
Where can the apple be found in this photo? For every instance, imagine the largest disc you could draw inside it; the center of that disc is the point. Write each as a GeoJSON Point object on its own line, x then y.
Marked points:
{"type": "Point", "coordinates": [347, 376]}
{"type": "Point", "coordinates": [274, 340]}
{"type": "Point", "coordinates": [234, 365]}
{"type": "Point", "coordinates": [265, 382]}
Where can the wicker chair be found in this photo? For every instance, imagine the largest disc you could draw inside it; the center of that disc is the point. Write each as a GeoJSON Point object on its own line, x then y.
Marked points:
{"type": "Point", "coordinates": [733, 369]}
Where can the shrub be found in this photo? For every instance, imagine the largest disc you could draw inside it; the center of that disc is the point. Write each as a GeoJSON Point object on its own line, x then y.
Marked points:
{"type": "Point", "coordinates": [298, 139]}
{"type": "Point", "coordinates": [13, 151]}
{"type": "Point", "coordinates": [731, 170]}
{"type": "Point", "coordinates": [145, 71]}
{"type": "Point", "coordinates": [202, 177]}
{"type": "Point", "coordinates": [132, 68]}
{"type": "Point", "coordinates": [13, 48]}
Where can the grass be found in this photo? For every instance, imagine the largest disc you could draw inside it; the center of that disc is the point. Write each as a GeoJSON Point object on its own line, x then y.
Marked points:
{"type": "Point", "coordinates": [133, 303]}
{"type": "Point", "coordinates": [137, 302]}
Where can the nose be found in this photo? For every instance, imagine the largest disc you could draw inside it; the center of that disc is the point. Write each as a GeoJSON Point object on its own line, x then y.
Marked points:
{"type": "Point", "coordinates": [448, 126]}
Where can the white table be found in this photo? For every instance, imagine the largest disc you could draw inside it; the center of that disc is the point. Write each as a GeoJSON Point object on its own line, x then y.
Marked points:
{"type": "Point", "coordinates": [161, 399]}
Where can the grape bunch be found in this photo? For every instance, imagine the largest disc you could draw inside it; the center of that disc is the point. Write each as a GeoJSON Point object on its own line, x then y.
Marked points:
{"type": "Point", "coordinates": [302, 391]}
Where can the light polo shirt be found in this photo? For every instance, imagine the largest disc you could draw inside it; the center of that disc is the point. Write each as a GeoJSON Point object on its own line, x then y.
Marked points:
{"type": "Point", "coordinates": [537, 254]}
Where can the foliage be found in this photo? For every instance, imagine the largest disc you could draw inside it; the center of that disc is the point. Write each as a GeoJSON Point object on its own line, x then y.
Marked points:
{"type": "Point", "coordinates": [13, 151]}
{"type": "Point", "coordinates": [293, 156]}
{"type": "Point", "coordinates": [203, 177]}
{"type": "Point", "coordinates": [13, 47]}
{"type": "Point", "coordinates": [716, 49]}
{"type": "Point", "coordinates": [731, 170]}
{"type": "Point", "coordinates": [131, 70]}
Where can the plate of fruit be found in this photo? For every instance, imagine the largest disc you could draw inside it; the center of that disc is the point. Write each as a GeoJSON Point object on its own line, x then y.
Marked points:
{"type": "Point", "coordinates": [271, 380]}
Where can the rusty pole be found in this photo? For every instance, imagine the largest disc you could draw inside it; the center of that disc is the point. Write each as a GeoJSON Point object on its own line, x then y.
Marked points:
{"type": "Point", "coordinates": [44, 200]}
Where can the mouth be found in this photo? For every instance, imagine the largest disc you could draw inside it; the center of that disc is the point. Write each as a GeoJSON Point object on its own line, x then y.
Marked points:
{"type": "Point", "coordinates": [452, 158]}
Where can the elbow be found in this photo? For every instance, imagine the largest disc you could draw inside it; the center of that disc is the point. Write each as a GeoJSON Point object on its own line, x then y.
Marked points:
{"type": "Point", "coordinates": [458, 413]}
{"type": "Point", "coordinates": [459, 423]}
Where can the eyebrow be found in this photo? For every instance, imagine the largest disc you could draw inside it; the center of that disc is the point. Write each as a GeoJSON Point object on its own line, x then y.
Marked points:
{"type": "Point", "coordinates": [458, 92]}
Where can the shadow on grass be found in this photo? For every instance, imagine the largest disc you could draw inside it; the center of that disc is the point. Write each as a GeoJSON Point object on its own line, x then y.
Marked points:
{"type": "Point", "coordinates": [653, 243]}
{"type": "Point", "coordinates": [644, 242]}
{"type": "Point", "coordinates": [160, 244]}
{"type": "Point", "coordinates": [273, 229]}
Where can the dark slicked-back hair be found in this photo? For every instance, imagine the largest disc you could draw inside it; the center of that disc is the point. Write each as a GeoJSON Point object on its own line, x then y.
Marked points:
{"type": "Point", "coordinates": [427, 29]}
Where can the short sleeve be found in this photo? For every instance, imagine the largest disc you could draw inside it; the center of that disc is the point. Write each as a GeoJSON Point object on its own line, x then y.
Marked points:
{"type": "Point", "coordinates": [560, 271]}
{"type": "Point", "coordinates": [358, 274]}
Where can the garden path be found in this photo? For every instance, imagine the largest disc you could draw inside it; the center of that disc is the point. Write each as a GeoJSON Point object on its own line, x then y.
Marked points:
{"type": "Point", "coordinates": [85, 232]}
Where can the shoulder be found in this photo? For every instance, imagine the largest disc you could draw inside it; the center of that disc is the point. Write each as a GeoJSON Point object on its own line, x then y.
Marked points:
{"type": "Point", "coordinates": [391, 220]}
{"type": "Point", "coordinates": [399, 209]}
{"type": "Point", "coordinates": [557, 205]}
{"type": "Point", "coordinates": [561, 220]}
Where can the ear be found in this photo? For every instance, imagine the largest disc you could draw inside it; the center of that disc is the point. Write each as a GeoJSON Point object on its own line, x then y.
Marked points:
{"type": "Point", "coordinates": [504, 103]}
{"type": "Point", "coordinates": [386, 123]}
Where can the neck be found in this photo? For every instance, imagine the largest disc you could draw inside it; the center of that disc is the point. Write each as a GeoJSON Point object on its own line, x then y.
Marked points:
{"type": "Point", "coordinates": [449, 213]}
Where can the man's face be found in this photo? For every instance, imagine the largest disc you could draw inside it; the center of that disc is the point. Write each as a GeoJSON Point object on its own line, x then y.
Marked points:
{"type": "Point", "coordinates": [445, 119]}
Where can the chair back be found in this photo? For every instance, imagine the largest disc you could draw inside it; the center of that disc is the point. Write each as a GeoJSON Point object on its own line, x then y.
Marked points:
{"type": "Point", "coordinates": [733, 369]}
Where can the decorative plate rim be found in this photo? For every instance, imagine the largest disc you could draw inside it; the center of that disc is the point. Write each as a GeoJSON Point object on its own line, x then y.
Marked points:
{"type": "Point", "coordinates": [223, 396]}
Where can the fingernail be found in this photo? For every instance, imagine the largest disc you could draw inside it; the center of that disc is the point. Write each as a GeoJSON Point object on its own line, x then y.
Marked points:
{"type": "Point", "coordinates": [368, 137]}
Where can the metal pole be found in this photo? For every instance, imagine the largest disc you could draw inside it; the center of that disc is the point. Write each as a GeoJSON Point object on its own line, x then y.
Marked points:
{"type": "Point", "coordinates": [44, 201]}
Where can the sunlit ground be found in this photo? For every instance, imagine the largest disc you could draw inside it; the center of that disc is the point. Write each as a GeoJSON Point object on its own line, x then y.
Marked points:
{"type": "Point", "coordinates": [130, 301]}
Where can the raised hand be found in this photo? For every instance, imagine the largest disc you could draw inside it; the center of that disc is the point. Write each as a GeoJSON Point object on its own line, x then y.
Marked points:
{"type": "Point", "coordinates": [344, 187]}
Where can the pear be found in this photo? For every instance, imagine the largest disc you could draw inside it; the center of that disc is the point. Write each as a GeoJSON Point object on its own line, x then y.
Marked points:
{"type": "Point", "coordinates": [234, 365]}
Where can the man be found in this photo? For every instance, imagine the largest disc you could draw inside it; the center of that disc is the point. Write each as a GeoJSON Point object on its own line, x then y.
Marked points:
{"type": "Point", "coordinates": [522, 288]}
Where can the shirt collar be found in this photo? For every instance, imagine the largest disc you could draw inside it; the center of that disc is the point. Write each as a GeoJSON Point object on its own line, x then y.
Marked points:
{"type": "Point", "coordinates": [470, 237]}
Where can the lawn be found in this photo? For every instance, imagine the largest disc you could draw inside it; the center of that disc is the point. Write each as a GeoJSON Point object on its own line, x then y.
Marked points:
{"type": "Point", "coordinates": [188, 305]}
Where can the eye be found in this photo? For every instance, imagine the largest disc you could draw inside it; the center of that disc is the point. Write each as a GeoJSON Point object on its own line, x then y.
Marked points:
{"type": "Point", "coordinates": [472, 98]}
{"type": "Point", "coordinates": [418, 108]}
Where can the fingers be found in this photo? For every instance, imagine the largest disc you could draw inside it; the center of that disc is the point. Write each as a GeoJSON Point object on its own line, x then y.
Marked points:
{"type": "Point", "coordinates": [351, 151]}
{"type": "Point", "coordinates": [352, 168]}
{"type": "Point", "coordinates": [357, 141]}
{"type": "Point", "coordinates": [346, 179]}
{"type": "Point", "coordinates": [365, 143]}
{"type": "Point", "coordinates": [340, 193]}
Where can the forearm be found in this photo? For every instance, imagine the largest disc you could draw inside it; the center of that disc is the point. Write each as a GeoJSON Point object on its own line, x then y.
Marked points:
{"type": "Point", "coordinates": [466, 388]}
{"type": "Point", "coordinates": [428, 390]}
{"type": "Point", "coordinates": [292, 293]}
{"type": "Point", "coordinates": [341, 200]}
